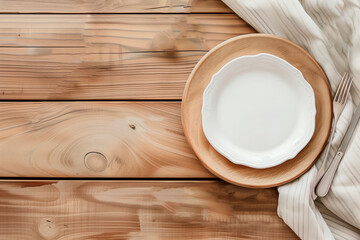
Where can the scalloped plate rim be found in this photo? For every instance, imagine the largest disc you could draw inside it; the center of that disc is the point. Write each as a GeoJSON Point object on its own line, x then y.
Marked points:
{"type": "Point", "coordinates": [272, 161]}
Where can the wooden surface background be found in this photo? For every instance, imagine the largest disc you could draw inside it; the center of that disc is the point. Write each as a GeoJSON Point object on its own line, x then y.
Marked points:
{"type": "Point", "coordinates": [91, 142]}
{"type": "Point", "coordinates": [138, 210]}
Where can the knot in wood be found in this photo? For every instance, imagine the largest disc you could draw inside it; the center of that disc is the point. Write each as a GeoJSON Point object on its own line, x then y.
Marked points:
{"type": "Point", "coordinates": [95, 161]}
{"type": "Point", "coordinates": [47, 228]}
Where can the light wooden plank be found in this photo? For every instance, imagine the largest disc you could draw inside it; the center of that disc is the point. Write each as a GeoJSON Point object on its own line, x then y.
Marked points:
{"type": "Point", "coordinates": [138, 210]}
{"type": "Point", "coordinates": [134, 56]}
{"type": "Point", "coordinates": [95, 139]}
{"type": "Point", "coordinates": [120, 33]}
{"type": "Point", "coordinates": [68, 74]}
{"type": "Point", "coordinates": [113, 6]}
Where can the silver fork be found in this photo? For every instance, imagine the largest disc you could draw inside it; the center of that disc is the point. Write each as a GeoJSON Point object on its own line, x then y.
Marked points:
{"type": "Point", "coordinates": [339, 102]}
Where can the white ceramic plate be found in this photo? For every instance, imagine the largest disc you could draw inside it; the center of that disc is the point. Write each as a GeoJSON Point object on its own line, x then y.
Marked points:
{"type": "Point", "coordinates": [258, 111]}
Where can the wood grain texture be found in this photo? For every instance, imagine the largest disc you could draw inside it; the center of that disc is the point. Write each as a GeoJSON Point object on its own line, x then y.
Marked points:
{"type": "Point", "coordinates": [192, 103]}
{"type": "Point", "coordinates": [67, 74]}
{"type": "Point", "coordinates": [95, 139]}
{"type": "Point", "coordinates": [114, 6]}
{"type": "Point", "coordinates": [113, 56]}
{"type": "Point", "coordinates": [138, 210]}
{"type": "Point", "coordinates": [119, 33]}
{"type": "Point", "coordinates": [118, 57]}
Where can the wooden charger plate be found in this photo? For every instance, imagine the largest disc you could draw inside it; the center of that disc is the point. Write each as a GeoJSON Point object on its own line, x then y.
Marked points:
{"type": "Point", "coordinates": [215, 59]}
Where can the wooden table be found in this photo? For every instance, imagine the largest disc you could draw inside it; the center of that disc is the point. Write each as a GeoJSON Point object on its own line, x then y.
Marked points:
{"type": "Point", "coordinates": [91, 142]}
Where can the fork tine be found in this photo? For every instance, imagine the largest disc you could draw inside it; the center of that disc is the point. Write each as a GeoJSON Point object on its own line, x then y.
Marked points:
{"type": "Point", "coordinates": [344, 88]}
{"type": "Point", "coordinates": [338, 90]}
{"type": "Point", "coordinates": [347, 90]}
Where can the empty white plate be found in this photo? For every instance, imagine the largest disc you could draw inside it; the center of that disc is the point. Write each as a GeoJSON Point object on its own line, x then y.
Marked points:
{"type": "Point", "coordinates": [258, 111]}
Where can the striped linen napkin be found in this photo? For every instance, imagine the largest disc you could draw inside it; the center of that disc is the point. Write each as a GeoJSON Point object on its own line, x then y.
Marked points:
{"type": "Point", "coordinates": [330, 31]}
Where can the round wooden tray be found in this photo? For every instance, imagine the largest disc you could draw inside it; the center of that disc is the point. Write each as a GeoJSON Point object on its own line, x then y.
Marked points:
{"type": "Point", "coordinates": [192, 102]}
